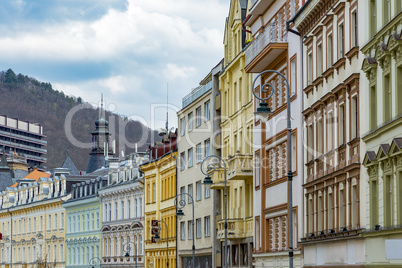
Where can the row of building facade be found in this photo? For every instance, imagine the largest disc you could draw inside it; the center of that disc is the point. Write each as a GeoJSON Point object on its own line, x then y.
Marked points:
{"type": "Point", "coordinates": [342, 63]}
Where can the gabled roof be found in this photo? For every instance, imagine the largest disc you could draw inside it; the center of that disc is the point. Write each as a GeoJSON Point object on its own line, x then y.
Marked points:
{"type": "Point", "coordinates": [369, 157]}
{"type": "Point", "coordinates": [396, 146]}
{"type": "Point", "coordinates": [69, 164]}
{"type": "Point", "coordinates": [383, 151]}
{"type": "Point", "coordinates": [36, 174]}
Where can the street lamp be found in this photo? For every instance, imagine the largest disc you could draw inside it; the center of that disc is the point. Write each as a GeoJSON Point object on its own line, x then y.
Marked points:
{"type": "Point", "coordinates": [128, 249]}
{"type": "Point", "coordinates": [182, 203]}
{"type": "Point", "coordinates": [264, 111]}
{"type": "Point", "coordinates": [156, 230]}
{"type": "Point", "coordinates": [208, 183]}
{"type": "Point", "coordinates": [95, 261]}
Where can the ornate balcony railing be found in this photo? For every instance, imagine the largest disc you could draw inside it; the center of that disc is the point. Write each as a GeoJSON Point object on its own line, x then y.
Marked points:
{"type": "Point", "coordinates": [240, 167]}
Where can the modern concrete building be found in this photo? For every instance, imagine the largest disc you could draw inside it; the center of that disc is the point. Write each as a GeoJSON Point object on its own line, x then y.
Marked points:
{"type": "Point", "coordinates": [122, 213]}
{"type": "Point", "coordinates": [333, 186]}
{"type": "Point", "coordinates": [25, 139]}
{"type": "Point", "coordinates": [275, 47]}
{"type": "Point", "coordinates": [198, 129]}
{"type": "Point", "coordinates": [236, 140]}
{"type": "Point", "coordinates": [160, 191]}
{"type": "Point", "coordinates": [381, 130]}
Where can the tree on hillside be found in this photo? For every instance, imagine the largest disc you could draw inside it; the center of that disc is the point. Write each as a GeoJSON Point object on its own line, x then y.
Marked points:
{"type": "Point", "coordinates": [10, 77]}
{"type": "Point", "coordinates": [21, 78]}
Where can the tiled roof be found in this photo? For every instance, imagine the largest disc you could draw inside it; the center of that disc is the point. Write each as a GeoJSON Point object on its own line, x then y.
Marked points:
{"type": "Point", "coordinates": [35, 175]}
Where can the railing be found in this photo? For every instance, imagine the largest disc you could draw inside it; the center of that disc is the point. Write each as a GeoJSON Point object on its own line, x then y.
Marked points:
{"type": "Point", "coordinates": [271, 34]}
{"type": "Point", "coordinates": [11, 144]}
{"type": "Point", "coordinates": [8, 134]}
{"type": "Point", "coordinates": [195, 93]}
{"type": "Point", "coordinates": [237, 228]}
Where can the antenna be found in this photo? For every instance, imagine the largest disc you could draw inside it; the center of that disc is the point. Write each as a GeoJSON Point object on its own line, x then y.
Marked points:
{"type": "Point", "coordinates": [101, 110]}
{"type": "Point", "coordinates": [167, 107]}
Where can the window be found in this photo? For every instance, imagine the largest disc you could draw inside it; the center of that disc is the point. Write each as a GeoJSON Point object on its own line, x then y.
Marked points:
{"type": "Point", "coordinates": [198, 117]}
{"type": "Point", "coordinates": [190, 157]}
{"type": "Point", "coordinates": [387, 97]}
{"type": "Point", "coordinates": [207, 225]}
{"type": "Point", "coordinates": [341, 41]}
{"type": "Point", "coordinates": [122, 210]}
{"type": "Point", "coordinates": [372, 19]}
{"type": "Point", "coordinates": [310, 143]}
{"type": "Point", "coordinates": [110, 211]}
{"type": "Point", "coordinates": [190, 230]}
{"type": "Point", "coordinates": [55, 221]}
{"type": "Point", "coordinates": [97, 220]}
{"type": "Point", "coordinates": [182, 191]}
{"type": "Point", "coordinates": [330, 131]}
{"type": "Point", "coordinates": [207, 148]}
{"type": "Point", "coordinates": [190, 121]}
{"type": "Point", "coordinates": [320, 138]}
{"type": "Point", "coordinates": [330, 57]}
{"type": "Point", "coordinates": [154, 192]}
{"type": "Point", "coordinates": [354, 117]}
{"type": "Point", "coordinates": [198, 189]}
{"type": "Point", "coordinates": [183, 126]}
{"type": "Point", "coordinates": [182, 161]}
{"type": "Point", "coordinates": [341, 124]}
{"type": "Point", "coordinates": [386, 9]}
{"type": "Point", "coordinates": [49, 224]}
{"type": "Point", "coordinates": [319, 59]}
{"type": "Point", "coordinates": [373, 107]}
{"type": "Point", "coordinates": [207, 110]}
{"type": "Point", "coordinates": [198, 224]}
{"type": "Point", "coordinates": [354, 29]}
{"type": "Point", "coordinates": [62, 221]}
{"type": "Point", "coordinates": [293, 75]}
{"type": "Point", "coordinates": [182, 230]}
{"type": "Point", "coordinates": [198, 153]}
{"type": "Point", "coordinates": [190, 192]}
{"type": "Point", "coordinates": [128, 208]}
{"type": "Point", "coordinates": [116, 211]}
{"type": "Point", "coordinates": [388, 201]}
{"type": "Point", "coordinates": [310, 68]}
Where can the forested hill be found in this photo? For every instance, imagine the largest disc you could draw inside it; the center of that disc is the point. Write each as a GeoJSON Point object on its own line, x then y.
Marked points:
{"type": "Point", "coordinates": [28, 99]}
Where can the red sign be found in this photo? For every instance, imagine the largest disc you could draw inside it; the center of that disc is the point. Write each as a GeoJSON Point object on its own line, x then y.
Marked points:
{"type": "Point", "coordinates": [1, 236]}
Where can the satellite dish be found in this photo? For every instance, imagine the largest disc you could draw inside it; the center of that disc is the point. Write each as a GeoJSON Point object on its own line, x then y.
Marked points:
{"type": "Point", "coordinates": [122, 153]}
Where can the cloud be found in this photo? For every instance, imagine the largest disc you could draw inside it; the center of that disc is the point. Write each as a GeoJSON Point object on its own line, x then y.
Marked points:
{"type": "Point", "coordinates": [129, 50]}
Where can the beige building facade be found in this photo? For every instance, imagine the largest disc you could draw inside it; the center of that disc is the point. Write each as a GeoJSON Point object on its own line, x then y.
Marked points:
{"type": "Point", "coordinates": [333, 186]}
{"type": "Point", "coordinates": [198, 129]}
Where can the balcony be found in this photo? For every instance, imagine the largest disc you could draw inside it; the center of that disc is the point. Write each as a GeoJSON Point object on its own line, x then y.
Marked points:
{"type": "Point", "coordinates": [218, 178]}
{"type": "Point", "coordinates": [237, 228]}
{"type": "Point", "coordinates": [257, 8]}
{"type": "Point", "coordinates": [240, 167]}
{"type": "Point", "coordinates": [265, 48]}
{"type": "Point", "coordinates": [195, 93]}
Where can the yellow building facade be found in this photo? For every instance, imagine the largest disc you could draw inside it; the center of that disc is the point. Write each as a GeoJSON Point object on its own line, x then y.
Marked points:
{"type": "Point", "coordinates": [160, 191]}
{"type": "Point", "coordinates": [32, 223]}
{"type": "Point", "coordinates": [236, 140]}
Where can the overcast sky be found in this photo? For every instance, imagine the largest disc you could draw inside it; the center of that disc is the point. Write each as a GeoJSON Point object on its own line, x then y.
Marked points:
{"type": "Point", "coordinates": [128, 49]}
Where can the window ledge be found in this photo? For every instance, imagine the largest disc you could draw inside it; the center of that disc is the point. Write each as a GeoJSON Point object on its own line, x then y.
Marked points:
{"type": "Point", "coordinates": [341, 62]}
{"type": "Point", "coordinates": [318, 81]}
{"type": "Point", "coordinates": [308, 89]}
{"type": "Point", "coordinates": [352, 53]}
{"type": "Point", "coordinates": [329, 72]}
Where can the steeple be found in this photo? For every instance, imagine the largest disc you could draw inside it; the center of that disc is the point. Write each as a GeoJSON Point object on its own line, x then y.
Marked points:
{"type": "Point", "coordinates": [101, 143]}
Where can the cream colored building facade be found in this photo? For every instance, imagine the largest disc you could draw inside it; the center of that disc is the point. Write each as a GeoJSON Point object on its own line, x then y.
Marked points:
{"type": "Point", "coordinates": [236, 136]}
{"type": "Point", "coordinates": [198, 129]}
{"type": "Point", "coordinates": [334, 187]}
{"type": "Point", "coordinates": [32, 221]}
{"type": "Point", "coordinates": [381, 120]}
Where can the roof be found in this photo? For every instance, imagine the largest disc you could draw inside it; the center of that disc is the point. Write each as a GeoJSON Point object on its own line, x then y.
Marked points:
{"type": "Point", "coordinates": [35, 175]}
{"type": "Point", "coordinates": [69, 164]}
{"type": "Point", "coordinates": [14, 185]}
